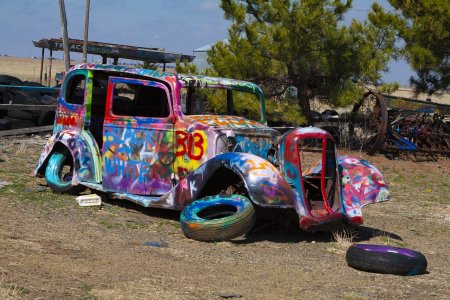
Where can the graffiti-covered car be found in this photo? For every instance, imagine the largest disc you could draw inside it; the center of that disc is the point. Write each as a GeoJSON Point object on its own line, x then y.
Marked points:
{"type": "Point", "coordinates": [199, 145]}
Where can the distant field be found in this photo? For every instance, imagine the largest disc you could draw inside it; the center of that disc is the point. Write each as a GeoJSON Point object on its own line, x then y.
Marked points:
{"type": "Point", "coordinates": [409, 93]}
{"type": "Point", "coordinates": [27, 69]}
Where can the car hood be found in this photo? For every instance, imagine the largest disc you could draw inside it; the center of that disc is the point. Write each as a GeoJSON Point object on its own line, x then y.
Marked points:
{"type": "Point", "coordinates": [237, 134]}
{"type": "Point", "coordinates": [225, 122]}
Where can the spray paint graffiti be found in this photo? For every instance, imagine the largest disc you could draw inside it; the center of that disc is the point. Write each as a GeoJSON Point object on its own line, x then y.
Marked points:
{"type": "Point", "coordinates": [170, 161]}
{"type": "Point", "coordinates": [136, 160]}
{"type": "Point", "coordinates": [258, 146]}
{"type": "Point", "coordinates": [193, 145]}
{"type": "Point", "coordinates": [191, 151]}
{"type": "Point", "coordinates": [83, 152]}
{"type": "Point", "coordinates": [226, 121]}
{"type": "Point", "coordinates": [362, 184]}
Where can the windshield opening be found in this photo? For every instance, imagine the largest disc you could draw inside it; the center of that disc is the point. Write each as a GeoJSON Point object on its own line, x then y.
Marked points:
{"type": "Point", "coordinates": [219, 101]}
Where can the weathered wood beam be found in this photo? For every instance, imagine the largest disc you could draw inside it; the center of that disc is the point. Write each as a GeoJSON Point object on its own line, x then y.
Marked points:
{"type": "Point", "coordinates": [27, 107]}
{"type": "Point", "coordinates": [26, 130]}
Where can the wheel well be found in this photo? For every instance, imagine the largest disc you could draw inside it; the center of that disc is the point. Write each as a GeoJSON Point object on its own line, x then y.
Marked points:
{"type": "Point", "coordinates": [225, 177]}
{"type": "Point", "coordinates": [220, 181]}
{"type": "Point", "coordinates": [57, 147]}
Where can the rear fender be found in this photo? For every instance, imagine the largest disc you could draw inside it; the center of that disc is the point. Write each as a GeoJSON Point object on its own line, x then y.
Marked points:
{"type": "Point", "coordinates": [362, 184]}
{"type": "Point", "coordinates": [264, 183]}
{"type": "Point", "coordinates": [84, 150]}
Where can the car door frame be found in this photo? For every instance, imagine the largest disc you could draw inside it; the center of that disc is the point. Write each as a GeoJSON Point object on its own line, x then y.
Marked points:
{"type": "Point", "coordinates": [138, 152]}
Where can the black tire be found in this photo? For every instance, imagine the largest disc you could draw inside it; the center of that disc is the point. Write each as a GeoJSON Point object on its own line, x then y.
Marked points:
{"type": "Point", "coordinates": [22, 115]}
{"type": "Point", "coordinates": [46, 118]}
{"type": "Point", "coordinates": [386, 259]}
{"type": "Point", "coordinates": [4, 99]}
{"type": "Point", "coordinates": [218, 218]}
{"type": "Point", "coordinates": [5, 124]}
{"type": "Point", "coordinates": [7, 79]}
{"type": "Point", "coordinates": [59, 172]}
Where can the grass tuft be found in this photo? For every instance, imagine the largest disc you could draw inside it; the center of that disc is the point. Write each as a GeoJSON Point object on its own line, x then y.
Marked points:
{"type": "Point", "coordinates": [343, 238]}
{"type": "Point", "coordinates": [10, 291]}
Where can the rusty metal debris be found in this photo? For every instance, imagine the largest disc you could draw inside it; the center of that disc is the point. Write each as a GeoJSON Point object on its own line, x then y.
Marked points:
{"type": "Point", "coordinates": [368, 123]}
{"type": "Point", "coordinates": [382, 123]}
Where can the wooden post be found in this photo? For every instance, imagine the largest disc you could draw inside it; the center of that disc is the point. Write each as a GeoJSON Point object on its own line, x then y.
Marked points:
{"type": "Point", "coordinates": [65, 35]}
{"type": "Point", "coordinates": [50, 68]}
{"type": "Point", "coordinates": [42, 65]}
{"type": "Point", "coordinates": [86, 30]}
{"type": "Point", "coordinates": [116, 61]}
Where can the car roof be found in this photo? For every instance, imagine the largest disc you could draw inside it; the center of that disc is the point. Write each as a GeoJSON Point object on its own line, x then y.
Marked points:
{"type": "Point", "coordinates": [187, 80]}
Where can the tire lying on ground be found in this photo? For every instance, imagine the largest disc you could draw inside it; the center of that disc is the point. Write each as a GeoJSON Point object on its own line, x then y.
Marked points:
{"type": "Point", "coordinates": [218, 218]}
{"type": "Point", "coordinates": [386, 259]}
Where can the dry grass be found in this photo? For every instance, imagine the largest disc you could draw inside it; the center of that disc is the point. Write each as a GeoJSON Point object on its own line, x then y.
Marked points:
{"type": "Point", "coordinates": [28, 69]}
{"type": "Point", "coordinates": [344, 238]}
{"type": "Point", "coordinates": [9, 291]}
{"type": "Point", "coordinates": [21, 149]}
{"type": "Point", "coordinates": [341, 240]}
{"type": "Point", "coordinates": [53, 249]}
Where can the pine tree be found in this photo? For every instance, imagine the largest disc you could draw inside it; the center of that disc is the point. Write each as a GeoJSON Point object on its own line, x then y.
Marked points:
{"type": "Point", "coordinates": [424, 28]}
{"type": "Point", "coordinates": [305, 44]}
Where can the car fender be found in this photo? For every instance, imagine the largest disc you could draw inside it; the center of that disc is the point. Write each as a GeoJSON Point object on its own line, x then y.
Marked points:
{"type": "Point", "coordinates": [361, 184]}
{"type": "Point", "coordinates": [263, 181]}
{"type": "Point", "coordinates": [84, 150]}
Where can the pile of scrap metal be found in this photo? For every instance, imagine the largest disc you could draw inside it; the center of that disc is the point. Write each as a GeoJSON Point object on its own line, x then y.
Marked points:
{"type": "Point", "coordinates": [14, 91]}
{"type": "Point", "coordinates": [383, 123]}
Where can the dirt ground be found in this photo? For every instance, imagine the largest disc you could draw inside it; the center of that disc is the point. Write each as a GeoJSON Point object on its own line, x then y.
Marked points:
{"type": "Point", "coordinates": [50, 248]}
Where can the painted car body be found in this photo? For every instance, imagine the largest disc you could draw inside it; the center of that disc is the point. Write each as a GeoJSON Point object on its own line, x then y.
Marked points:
{"type": "Point", "coordinates": [172, 159]}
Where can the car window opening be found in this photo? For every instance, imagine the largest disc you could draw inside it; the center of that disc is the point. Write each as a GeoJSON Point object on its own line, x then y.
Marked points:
{"type": "Point", "coordinates": [220, 101]}
{"type": "Point", "coordinates": [320, 181]}
{"type": "Point", "coordinates": [140, 101]}
{"type": "Point", "coordinates": [75, 90]}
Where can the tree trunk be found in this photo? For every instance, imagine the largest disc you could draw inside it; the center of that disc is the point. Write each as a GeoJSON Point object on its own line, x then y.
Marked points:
{"type": "Point", "coordinates": [304, 101]}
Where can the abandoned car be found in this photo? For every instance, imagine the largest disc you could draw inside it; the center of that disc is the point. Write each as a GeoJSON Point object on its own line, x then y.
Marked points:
{"type": "Point", "coordinates": [199, 145]}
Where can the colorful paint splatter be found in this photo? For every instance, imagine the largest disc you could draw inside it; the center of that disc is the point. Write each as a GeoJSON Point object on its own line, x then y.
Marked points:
{"type": "Point", "coordinates": [130, 133]}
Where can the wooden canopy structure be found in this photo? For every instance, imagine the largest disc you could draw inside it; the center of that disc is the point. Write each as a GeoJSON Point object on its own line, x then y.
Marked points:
{"type": "Point", "coordinates": [108, 50]}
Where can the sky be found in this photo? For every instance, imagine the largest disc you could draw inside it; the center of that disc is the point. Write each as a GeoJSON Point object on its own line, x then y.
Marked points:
{"type": "Point", "coordinates": [175, 25]}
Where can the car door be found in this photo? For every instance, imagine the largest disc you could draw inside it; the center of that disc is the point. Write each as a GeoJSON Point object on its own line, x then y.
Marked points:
{"type": "Point", "coordinates": [138, 137]}
{"type": "Point", "coordinates": [71, 109]}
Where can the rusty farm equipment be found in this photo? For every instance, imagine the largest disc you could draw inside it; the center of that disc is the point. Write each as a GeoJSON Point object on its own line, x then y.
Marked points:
{"type": "Point", "coordinates": [382, 123]}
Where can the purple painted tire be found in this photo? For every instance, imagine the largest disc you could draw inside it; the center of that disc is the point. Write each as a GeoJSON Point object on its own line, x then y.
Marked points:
{"type": "Point", "coordinates": [386, 259]}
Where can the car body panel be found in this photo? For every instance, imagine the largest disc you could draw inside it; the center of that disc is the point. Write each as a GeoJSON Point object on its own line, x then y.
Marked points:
{"type": "Point", "coordinates": [171, 161]}
{"type": "Point", "coordinates": [71, 116]}
{"type": "Point", "coordinates": [263, 181]}
{"type": "Point", "coordinates": [362, 184]}
{"type": "Point", "coordinates": [84, 150]}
